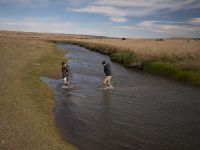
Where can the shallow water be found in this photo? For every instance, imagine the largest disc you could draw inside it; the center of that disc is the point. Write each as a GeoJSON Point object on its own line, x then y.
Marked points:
{"type": "Point", "coordinates": [143, 112]}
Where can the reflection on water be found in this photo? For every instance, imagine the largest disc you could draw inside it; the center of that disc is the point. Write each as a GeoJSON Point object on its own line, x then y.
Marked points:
{"type": "Point", "coordinates": [142, 112]}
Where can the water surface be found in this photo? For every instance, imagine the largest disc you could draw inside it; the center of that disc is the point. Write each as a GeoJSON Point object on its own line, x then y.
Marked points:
{"type": "Point", "coordinates": [144, 112]}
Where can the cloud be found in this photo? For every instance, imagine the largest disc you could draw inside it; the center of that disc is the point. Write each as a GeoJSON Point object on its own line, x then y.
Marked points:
{"type": "Point", "coordinates": [120, 10]}
{"type": "Point", "coordinates": [116, 10]}
{"type": "Point", "coordinates": [156, 4]}
{"type": "Point", "coordinates": [56, 25]}
{"type": "Point", "coordinates": [165, 28]}
{"type": "Point", "coordinates": [35, 25]}
{"type": "Point", "coordinates": [195, 21]}
{"type": "Point", "coordinates": [50, 25]}
{"type": "Point", "coordinates": [161, 26]}
{"type": "Point", "coordinates": [157, 26]}
{"type": "Point", "coordinates": [116, 14]}
{"type": "Point", "coordinates": [38, 3]}
{"type": "Point", "coordinates": [118, 19]}
{"type": "Point", "coordinates": [124, 27]}
{"type": "Point", "coordinates": [170, 29]}
{"type": "Point", "coordinates": [27, 3]}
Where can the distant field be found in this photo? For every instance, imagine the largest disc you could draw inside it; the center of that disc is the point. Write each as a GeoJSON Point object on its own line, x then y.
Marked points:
{"type": "Point", "coordinates": [176, 58]}
{"type": "Point", "coordinates": [185, 52]}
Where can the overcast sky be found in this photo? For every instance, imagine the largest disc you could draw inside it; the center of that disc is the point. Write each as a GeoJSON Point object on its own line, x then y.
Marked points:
{"type": "Point", "coordinates": [119, 18]}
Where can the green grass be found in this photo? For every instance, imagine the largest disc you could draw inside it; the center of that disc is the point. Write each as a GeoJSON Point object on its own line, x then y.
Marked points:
{"type": "Point", "coordinates": [125, 58]}
{"type": "Point", "coordinates": [49, 66]}
{"type": "Point", "coordinates": [172, 71]}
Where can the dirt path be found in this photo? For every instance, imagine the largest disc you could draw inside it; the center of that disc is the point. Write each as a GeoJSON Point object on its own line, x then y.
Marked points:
{"type": "Point", "coordinates": [25, 103]}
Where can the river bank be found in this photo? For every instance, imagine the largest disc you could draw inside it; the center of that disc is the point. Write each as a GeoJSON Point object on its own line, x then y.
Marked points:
{"type": "Point", "coordinates": [182, 66]}
{"type": "Point", "coordinates": [25, 102]}
{"type": "Point", "coordinates": [173, 58]}
{"type": "Point", "coordinates": [143, 112]}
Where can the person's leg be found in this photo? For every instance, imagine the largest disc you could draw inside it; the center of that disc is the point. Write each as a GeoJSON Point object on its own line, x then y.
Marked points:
{"type": "Point", "coordinates": [65, 81]}
{"type": "Point", "coordinates": [105, 81]}
{"type": "Point", "coordinates": [109, 82]}
{"type": "Point", "coordinates": [68, 83]}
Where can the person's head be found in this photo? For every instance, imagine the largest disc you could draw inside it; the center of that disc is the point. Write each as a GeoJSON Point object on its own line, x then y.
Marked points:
{"type": "Point", "coordinates": [103, 63]}
{"type": "Point", "coordinates": [63, 63]}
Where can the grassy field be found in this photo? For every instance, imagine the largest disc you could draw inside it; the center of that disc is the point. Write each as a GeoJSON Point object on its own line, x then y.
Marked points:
{"type": "Point", "coordinates": [26, 103]}
{"type": "Point", "coordinates": [26, 119]}
{"type": "Point", "coordinates": [177, 59]}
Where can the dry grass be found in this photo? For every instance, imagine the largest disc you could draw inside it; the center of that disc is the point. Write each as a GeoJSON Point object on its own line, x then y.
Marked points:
{"type": "Point", "coordinates": [177, 59]}
{"type": "Point", "coordinates": [185, 53]}
{"type": "Point", "coordinates": [25, 103]}
{"type": "Point", "coordinates": [178, 49]}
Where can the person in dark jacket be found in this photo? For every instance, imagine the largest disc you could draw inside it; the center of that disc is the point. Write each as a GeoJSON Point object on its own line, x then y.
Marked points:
{"type": "Point", "coordinates": [107, 75]}
{"type": "Point", "coordinates": [66, 74]}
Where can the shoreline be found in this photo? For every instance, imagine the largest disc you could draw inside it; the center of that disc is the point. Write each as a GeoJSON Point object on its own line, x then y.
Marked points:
{"type": "Point", "coordinates": [26, 102]}
{"type": "Point", "coordinates": [164, 67]}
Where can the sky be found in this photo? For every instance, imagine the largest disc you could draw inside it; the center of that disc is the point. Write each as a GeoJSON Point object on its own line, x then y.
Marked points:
{"type": "Point", "coordinates": [113, 18]}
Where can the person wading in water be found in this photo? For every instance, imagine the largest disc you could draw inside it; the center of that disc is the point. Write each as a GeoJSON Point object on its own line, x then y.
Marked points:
{"type": "Point", "coordinates": [66, 74]}
{"type": "Point", "coordinates": [107, 75]}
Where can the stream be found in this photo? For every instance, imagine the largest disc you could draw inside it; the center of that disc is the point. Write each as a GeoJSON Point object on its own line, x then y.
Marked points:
{"type": "Point", "coordinates": [143, 112]}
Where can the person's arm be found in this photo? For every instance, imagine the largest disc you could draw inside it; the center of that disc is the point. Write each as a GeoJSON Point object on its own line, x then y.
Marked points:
{"type": "Point", "coordinates": [63, 72]}
{"type": "Point", "coordinates": [67, 68]}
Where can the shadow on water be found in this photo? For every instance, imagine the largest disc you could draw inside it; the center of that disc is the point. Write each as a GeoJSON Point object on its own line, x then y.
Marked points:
{"type": "Point", "coordinates": [142, 112]}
